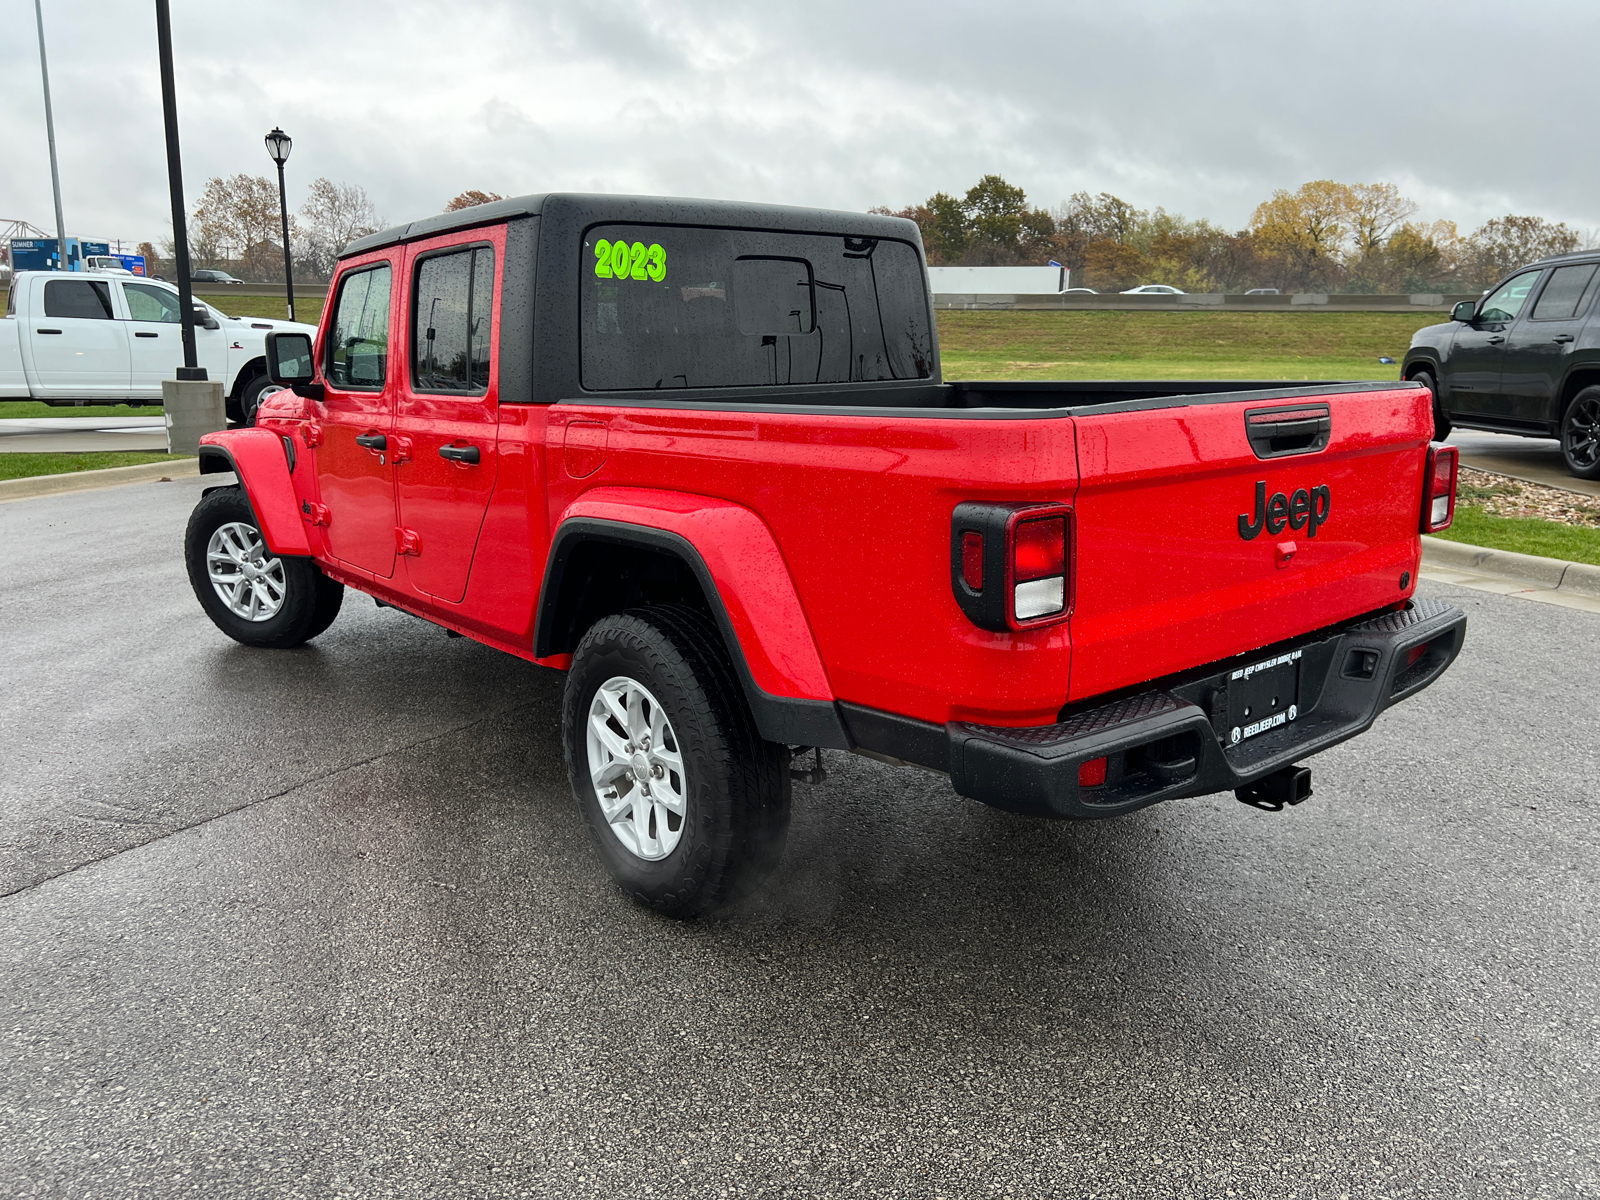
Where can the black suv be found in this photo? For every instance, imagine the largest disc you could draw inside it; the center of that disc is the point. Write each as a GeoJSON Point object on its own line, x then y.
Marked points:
{"type": "Point", "coordinates": [1525, 359]}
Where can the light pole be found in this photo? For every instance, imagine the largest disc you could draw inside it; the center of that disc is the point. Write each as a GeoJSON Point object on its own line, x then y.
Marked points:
{"type": "Point", "coordinates": [50, 132]}
{"type": "Point", "coordinates": [191, 369]}
{"type": "Point", "coordinates": [279, 145]}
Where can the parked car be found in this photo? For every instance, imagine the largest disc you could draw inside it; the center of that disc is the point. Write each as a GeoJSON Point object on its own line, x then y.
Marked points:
{"type": "Point", "coordinates": [1154, 289]}
{"type": "Point", "coordinates": [210, 276]}
{"type": "Point", "coordinates": [1525, 359]}
{"type": "Point", "coordinates": [1262, 292]}
{"type": "Point", "coordinates": [714, 475]}
{"type": "Point", "coordinates": [98, 337]}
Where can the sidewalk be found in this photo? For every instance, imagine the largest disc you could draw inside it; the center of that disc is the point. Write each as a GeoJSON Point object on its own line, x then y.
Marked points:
{"type": "Point", "coordinates": [1545, 580]}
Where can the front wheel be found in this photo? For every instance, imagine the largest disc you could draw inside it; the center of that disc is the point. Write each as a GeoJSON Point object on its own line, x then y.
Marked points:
{"type": "Point", "coordinates": [1441, 423]}
{"type": "Point", "coordinates": [1580, 434]}
{"type": "Point", "coordinates": [252, 595]}
{"type": "Point", "coordinates": [685, 803]}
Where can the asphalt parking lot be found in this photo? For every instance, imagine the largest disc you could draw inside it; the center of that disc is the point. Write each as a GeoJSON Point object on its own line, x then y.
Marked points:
{"type": "Point", "coordinates": [325, 923]}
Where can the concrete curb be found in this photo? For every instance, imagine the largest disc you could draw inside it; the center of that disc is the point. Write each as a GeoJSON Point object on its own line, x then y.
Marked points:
{"type": "Point", "coordinates": [88, 481]}
{"type": "Point", "coordinates": [1547, 574]}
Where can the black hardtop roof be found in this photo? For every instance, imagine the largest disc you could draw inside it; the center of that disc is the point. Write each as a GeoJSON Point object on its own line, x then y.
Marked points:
{"type": "Point", "coordinates": [665, 210]}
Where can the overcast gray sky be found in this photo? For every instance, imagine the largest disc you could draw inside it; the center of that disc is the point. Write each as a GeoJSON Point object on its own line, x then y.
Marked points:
{"type": "Point", "coordinates": [1474, 109]}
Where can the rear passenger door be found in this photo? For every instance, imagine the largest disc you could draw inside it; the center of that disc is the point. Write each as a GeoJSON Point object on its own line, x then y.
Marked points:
{"type": "Point", "coordinates": [80, 349]}
{"type": "Point", "coordinates": [447, 406]}
{"type": "Point", "coordinates": [357, 416]}
{"type": "Point", "coordinates": [1540, 346]}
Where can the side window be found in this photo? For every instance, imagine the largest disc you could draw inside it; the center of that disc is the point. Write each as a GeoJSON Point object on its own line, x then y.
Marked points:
{"type": "Point", "coordinates": [1508, 299]}
{"type": "Point", "coordinates": [452, 309]}
{"type": "Point", "coordinates": [1559, 300]}
{"type": "Point", "coordinates": [146, 303]}
{"type": "Point", "coordinates": [358, 345]}
{"type": "Point", "coordinates": [85, 298]}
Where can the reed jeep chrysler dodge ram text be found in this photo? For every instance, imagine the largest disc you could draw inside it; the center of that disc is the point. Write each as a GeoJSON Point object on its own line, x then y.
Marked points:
{"type": "Point", "coordinates": [700, 456]}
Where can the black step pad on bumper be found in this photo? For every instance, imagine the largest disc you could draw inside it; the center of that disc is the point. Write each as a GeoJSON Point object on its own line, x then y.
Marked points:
{"type": "Point", "coordinates": [1176, 741]}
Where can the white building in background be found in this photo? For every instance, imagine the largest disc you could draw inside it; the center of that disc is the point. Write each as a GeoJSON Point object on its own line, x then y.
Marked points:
{"type": "Point", "coordinates": [990, 281]}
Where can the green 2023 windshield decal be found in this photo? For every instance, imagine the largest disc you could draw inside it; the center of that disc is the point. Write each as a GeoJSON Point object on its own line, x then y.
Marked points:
{"type": "Point", "coordinates": [619, 260]}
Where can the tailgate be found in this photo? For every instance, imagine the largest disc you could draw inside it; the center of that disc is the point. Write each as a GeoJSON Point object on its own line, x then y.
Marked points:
{"type": "Point", "coordinates": [1200, 536]}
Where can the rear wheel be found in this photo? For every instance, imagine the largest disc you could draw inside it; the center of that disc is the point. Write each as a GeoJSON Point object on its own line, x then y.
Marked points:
{"type": "Point", "coordinates": [1441, 423]}
{"type": "Point", "coordinates": [686, 805]}
{"type": "Point", "coordinates": [251, 594]}
{"type": "Point", "coordinates": [1580, 434]}
{"type": "Point", "coordinates": [251, 393]}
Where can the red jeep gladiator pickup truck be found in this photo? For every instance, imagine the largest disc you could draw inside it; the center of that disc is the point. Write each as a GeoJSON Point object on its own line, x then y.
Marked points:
{"type": "Point", "coordinates": [699, 456]}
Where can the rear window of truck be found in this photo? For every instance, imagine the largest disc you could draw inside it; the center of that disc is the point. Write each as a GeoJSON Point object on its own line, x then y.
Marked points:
{"type": "Point", "coordinates": [672, 307]}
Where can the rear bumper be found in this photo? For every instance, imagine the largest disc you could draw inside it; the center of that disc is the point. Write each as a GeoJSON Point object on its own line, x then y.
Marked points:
{"type": "Point", "coordinates": [1177, 740]}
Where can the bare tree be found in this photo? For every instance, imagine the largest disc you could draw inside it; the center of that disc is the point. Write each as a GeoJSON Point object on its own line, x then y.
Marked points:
{"type": "Point", "coordinates": [237, 221]}
{"type": "Point", "coordinates": [333, 216]}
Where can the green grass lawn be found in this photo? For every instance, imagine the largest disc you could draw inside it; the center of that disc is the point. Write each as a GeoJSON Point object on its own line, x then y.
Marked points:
{"type": "Point", "coordinates": [1549, 539]}
{"type": "Point", "coordinates": [37, 408]}
{"type": "Point", "coordinates": [307, 305]}
{"type": "Point", "coordinates": [25, 466]}
{"type": "Point", "coordinates": [1199, 345]}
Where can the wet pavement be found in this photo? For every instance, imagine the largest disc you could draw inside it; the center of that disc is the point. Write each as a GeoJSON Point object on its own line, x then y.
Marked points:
{"type": "Point", "coordinates": [76, 435]}
{"type": "Point", "coordinates": [1536, 460]}
{"type": "Point", "coordinates": [325, 922]}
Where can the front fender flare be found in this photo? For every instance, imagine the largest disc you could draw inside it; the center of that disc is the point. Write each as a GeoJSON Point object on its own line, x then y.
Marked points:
{"type": "Point", "coordinates": [258, 458]}
{"type": "Point", "coordinates": [742, 573]}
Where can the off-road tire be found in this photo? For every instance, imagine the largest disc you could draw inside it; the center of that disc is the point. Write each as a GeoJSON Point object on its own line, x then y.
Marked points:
{"type": "Point", "coordinates": [1441, 423]}
{"type": "Point", "coordinates": [1585, 407]}
{"type": "Point", "coordinates": [311, 599]}
{"type": "Point", "coordinates": [737, 784]}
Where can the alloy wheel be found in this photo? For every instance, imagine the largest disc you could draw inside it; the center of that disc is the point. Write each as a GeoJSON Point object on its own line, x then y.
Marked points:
{"type": "Point", "coordinates": [636, 766]}
{"type": "Point", "coordinates": [1580, 436]}
{"type": "Point", "coordinates": [243, 574]}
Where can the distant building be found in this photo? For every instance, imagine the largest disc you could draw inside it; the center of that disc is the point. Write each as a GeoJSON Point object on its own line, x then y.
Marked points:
{"type": "Point", "coordinates": [991, 281]}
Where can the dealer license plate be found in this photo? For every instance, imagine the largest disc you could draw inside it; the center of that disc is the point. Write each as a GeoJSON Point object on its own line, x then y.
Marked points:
{"type": "Point", "coordinates": [1263, 696]}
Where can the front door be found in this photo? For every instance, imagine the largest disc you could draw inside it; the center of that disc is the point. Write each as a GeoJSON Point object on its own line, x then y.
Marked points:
{"type": "Point", "coordinates": [157, 343]}
{"type": "Point", "coordinates": [80, 350]}
{"type": "Point", "coordinates": [446, 408]}
{"type": "Point", "coordinates": [1539, 346]}
{"type": "Point", "coordinates": [357, 412]}
{"type": "Point", "coordinates": [1476, 358]}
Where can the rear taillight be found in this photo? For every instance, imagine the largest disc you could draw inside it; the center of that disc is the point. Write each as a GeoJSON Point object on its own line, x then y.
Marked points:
{"type": "Point", "coordinates": [1011, 564]}
{"type": "Point", "coordinates": [1439, 488]}
{"type": "Point", "coordinates": [1039, 567]}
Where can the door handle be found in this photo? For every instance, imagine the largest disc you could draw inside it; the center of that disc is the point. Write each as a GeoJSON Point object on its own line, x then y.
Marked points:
{"type": "Point", "coordinates": [460, 454]}
{"type": "Point", "coordinates": [138, 333]}
{"type": "Point", "coordinates": [1495, 341]}
{"type": "Point", "coordinates": [1562, 337]}
{"type": "Point", "coordinates": [372, 441]}
{"type": "Point", "coordinates": [47, 331]}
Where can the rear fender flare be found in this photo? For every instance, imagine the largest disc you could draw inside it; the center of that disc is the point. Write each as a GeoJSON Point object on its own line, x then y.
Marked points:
{"type": "Point", "coordinates": [741, 571]}
{"type": "Point", "coordinates": [259, 460]}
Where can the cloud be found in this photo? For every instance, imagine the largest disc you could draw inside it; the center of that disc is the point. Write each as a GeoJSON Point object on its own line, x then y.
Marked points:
{"type": "Point", "coordinates": [1204, 109]}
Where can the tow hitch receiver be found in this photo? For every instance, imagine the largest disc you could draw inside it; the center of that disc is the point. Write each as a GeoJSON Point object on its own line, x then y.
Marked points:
{"type": "Point", "coordinates": [1286, 785]}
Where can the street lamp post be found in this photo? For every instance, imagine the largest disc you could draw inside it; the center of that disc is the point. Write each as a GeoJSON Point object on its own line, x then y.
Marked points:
{"type": "Point", "coordinates": [278, 145]}
{"type": "Point", "coordinates": [50, 132]}
{"type": "Point", "coordinates": [191, 369]}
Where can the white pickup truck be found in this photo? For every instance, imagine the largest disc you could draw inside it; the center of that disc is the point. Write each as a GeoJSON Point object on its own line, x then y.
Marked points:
{"type": "Point", "coordinates": [108, 337]}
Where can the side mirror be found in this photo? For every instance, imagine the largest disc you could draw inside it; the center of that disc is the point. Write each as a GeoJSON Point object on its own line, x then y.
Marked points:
{"type": "Point", "coordinates": [289, 358]}
{"type": "Point", "coordinates": [1466, 311]}
{"type": "Point", "coordinates": [204, 319]}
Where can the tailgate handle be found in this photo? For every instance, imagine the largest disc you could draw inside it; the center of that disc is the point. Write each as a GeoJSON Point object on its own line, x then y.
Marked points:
{"type": "Point", "coordinates": [1290, 429]}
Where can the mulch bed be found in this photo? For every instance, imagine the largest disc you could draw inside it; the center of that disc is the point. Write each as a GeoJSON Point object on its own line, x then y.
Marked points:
{"type": "Point", "coordinates": [1503, 496]}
